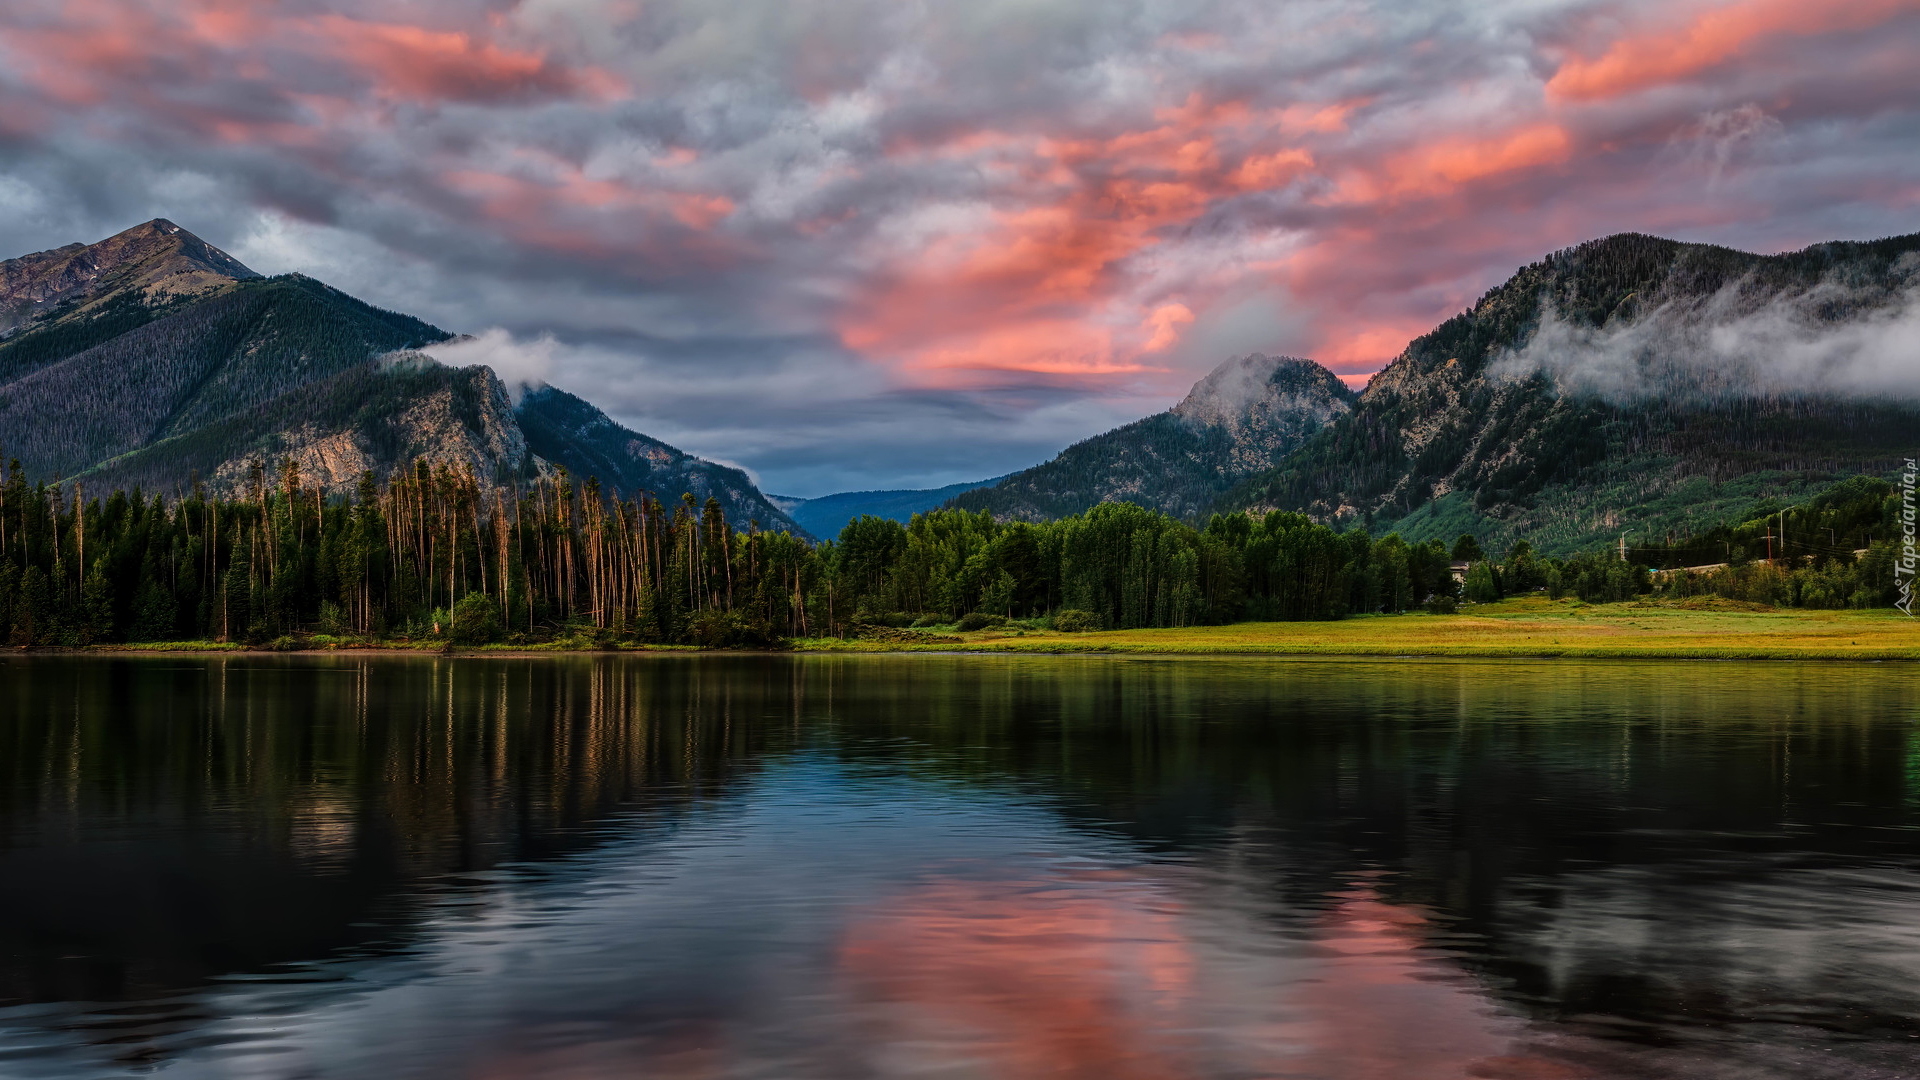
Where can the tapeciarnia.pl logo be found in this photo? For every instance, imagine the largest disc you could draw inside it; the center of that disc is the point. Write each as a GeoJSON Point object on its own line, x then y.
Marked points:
{"type": "Point", "coordinates": [1903, 568]}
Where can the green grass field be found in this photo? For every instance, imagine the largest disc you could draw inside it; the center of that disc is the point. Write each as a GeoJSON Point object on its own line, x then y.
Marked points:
{"type": "Point", "coordinates": [1531, 626]}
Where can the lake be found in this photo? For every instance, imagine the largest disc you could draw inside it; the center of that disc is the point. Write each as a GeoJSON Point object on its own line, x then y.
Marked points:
{"type": "Point", "coordinates": [956, 866]}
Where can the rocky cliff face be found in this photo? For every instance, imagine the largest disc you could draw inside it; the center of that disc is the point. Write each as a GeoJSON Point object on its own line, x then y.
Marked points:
{"type": "Point", "coordinates": [1240, 419]}
{"type": "Point", "coordinates": [1265, 405]}
{"type": "Point", "coordinates": [376, 417]}
{"type": "Point", "coordinates": [459, 417]}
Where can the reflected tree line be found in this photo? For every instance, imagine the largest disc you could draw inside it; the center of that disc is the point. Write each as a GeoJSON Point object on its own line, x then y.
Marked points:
{"type": "Point", "coordinates": [241, 813]}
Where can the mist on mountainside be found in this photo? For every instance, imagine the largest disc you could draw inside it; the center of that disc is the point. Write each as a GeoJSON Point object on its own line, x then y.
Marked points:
{"type": "Point", "coordinates": [1830, 340]}
{"type": "Point", "coordinates": [521, 365]}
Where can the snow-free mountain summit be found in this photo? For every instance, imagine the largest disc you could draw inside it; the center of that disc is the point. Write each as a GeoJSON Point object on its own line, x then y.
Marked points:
{"type": "Point", "coordinates": [152, 357]}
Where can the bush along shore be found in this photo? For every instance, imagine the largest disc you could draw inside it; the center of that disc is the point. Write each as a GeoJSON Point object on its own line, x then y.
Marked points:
{"type": "Point", "coordinates": [432, 558]}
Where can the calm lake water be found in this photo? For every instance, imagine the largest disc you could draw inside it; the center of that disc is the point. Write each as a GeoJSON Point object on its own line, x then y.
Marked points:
{"type": "Point", "coordinates": [940, 866]}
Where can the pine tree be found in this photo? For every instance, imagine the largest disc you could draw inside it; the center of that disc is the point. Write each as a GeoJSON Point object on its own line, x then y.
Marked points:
{"type": "Point", "coordinates": [236, 594]}
{"type": "Point", "coordinates": [33, 611]}
{"type": "Point", "coordinates": [95, 623]}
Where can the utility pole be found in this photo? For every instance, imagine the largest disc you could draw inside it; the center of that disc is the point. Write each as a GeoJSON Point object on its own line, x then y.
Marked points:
{"type": "Point", "coordinates": [1623, 547]}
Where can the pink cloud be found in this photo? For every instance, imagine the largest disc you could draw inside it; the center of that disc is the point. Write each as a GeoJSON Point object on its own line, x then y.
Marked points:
{"type": "Point", "coordinates": [94, 52]}
{"type": "Point", "coordinates": [1711, 37]}
{"type": "Point", "coordinates": [1088, 242]}
{"type": "Point", "coordinates": [445, 65]}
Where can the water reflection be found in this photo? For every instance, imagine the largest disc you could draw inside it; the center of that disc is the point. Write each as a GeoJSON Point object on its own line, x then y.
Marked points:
{"type": "Point", "coordinates": [1007, 867]}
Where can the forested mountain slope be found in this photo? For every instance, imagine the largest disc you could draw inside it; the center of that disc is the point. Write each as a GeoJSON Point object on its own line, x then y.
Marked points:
{"type": "Point", "coordinates": [151, 359]}
{"type": "Point", "coordinates": [1631, 384]}
{"type": "Point", "coordinates": [374, 416]}
{"type": "Point", "coordinates": [211, 359]}
{"type": "Point", "coordinates": [1237, 421]}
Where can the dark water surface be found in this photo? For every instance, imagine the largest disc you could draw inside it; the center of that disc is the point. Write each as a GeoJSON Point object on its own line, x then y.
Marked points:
{"type": "Point", "coordinates": [797, 867]}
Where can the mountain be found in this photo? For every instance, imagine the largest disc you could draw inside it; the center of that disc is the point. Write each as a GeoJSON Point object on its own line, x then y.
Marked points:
{"type": "Point", "coordinates": [828, 514]}
{"type": "Point", "coordinates": [1236, 422]}
{"type": "Point", "coordinates": [155, 261]}
{"type": "Point", "coordinates": [565, 430]}
{"type": "Point", "coordinates": [225, 354]}
{"type": "Point", "coordinates": [376, 416]}
{"type": "Point", "coordinates": [152, 358]}
{"type": "Point", "coordinates": [1627, 385]}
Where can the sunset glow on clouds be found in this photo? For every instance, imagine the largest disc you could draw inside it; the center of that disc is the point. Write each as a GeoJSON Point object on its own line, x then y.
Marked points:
{"type": "Point", "coordinates": [857, 243]}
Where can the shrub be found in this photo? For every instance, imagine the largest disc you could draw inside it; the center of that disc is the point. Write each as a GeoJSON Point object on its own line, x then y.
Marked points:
{"type": "Point", "coordinates": [1442, 604]}
{"type": "Point", "coordinates": [728, 630]}
{"type": "Point", "coordinates": [929, 619]}
{"type": "Point", "coordinates": [475, 621]}
{"type": "Point", "coordinates": [333, 619]}
{"type": "Point", "coordinates": [979, 620]}
{"type": "Point", "coordinates": [1073, 621]}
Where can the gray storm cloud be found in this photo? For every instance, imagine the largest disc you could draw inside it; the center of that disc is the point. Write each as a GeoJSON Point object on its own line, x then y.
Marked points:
{"type": "Point", "coordinates": [864, 244]}
{"type": "Point", "coordinates": [1733, 345]}
{"type": "Point", "coordinates": [813, 419]}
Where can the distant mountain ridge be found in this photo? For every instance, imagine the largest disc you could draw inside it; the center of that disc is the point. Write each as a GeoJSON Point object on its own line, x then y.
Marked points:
{"type": "Point", "coordinates": [1631, 384]}
{"type": "Point", "coordinates": [1237, 421]}
{"type": "Point", "coordinates": [152, 357]}
{"type": "Point", "coordinates": [826, 515]}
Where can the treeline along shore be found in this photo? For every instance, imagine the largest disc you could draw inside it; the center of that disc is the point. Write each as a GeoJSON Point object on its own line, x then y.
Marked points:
{"type": "Point", "coordinates": [434, 555]}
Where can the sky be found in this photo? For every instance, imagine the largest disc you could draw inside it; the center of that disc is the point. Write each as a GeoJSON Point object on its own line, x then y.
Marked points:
{"type": "Point", "coordinates": [900, 243]}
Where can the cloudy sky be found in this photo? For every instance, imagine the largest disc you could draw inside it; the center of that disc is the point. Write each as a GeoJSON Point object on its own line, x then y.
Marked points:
{"type": "Point", "coordinates": [854, 243]}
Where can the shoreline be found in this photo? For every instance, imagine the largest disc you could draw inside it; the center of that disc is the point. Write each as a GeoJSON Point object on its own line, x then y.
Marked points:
{"type": "Point", "coordinates": [1703, 655]}
{"type": "Point", "coordinates": [1530, 628]}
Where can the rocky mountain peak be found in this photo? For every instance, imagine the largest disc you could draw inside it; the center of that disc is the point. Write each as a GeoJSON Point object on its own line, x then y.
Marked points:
{"type": "Point", "coordinates": [156, 260]}
{"type": "Point", "coordinates": [1256, 388]}
{"type": "Point", "coordinates": [1237, 421]}
{"type": "Point", "coordinates": [1264, 405]}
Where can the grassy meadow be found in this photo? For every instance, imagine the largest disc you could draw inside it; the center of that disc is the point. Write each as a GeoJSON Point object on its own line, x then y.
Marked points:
{"type": "Point", "coordinates": [1534, 626]}
{"type": "Point", "coordinates": [1525, 626]}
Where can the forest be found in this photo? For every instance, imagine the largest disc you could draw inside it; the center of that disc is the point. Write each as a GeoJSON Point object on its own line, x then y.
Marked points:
{"type": "Point", "coordinates": [435, 554]}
